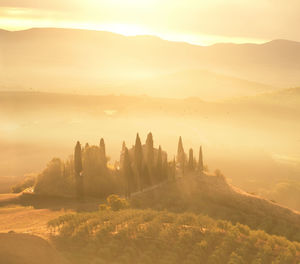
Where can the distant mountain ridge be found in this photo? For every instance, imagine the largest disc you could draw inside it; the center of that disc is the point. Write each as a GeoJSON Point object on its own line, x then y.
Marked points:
{"type": "Point", "coordinates": [87, 61]}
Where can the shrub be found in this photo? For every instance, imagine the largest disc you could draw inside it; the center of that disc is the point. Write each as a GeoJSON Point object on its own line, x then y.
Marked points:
{"type": "Point", "coordinates": [116, 203]}
{"type": "Point", "coordinates": [27, 181]}
{"type": "Point", "coordinates": [103, 207]}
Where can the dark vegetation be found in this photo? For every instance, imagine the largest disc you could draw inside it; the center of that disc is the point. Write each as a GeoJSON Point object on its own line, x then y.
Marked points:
{"type": "Point", "coordinates": [88, 173]}
{"type": "Point", "coordinates": [147, 236]}
{"type": "Point", "coordinates": [28, 181]}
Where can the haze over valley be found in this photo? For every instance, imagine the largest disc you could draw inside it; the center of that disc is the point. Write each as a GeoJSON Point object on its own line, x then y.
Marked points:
{"type": "Point", "coordinates": [149, 132]}
{"type": "Point", "coordinates": [95, 62]}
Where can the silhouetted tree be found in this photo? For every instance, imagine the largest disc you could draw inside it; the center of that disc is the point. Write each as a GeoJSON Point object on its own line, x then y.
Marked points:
{"type": "Point", "coordinates": [138, 160]}
{"type": "Point", "coordinates": [181, 156]}
{"type": "Point", "coordinates": [173, 171]}
{"type": "Point", "coordinates": [103, 158]}
{"type": "Point", "coordinates": [78, 170]}
{"type": "Point", "coordinates": [122, 154]}
{"type": "Point", "coordinates": [146, 177]}
{"type": "Point", "coordinates": [159, 166]}
{"type": "Point", "coordinates": [150, 156]}
{"type": "Point", "coordinates": [127, 174]}
{"type": "Point", "coordinates": [94, 172]}
{"type": "Point", "coordinates": [165, 169]}
{"type": "Point", "coordinates": [57, 179]}
{"type": "Point", "coordinates": [191, 160]}
{"type": "Point", "coordinates": [200, 162]}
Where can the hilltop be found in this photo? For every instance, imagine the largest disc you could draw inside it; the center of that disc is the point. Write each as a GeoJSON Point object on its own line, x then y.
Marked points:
{"type": "Point", "coordinates": [253, 139]}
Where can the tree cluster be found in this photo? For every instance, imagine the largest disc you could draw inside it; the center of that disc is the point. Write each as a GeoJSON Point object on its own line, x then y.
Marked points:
{"type": "Point", "coordinates": [87, 173]}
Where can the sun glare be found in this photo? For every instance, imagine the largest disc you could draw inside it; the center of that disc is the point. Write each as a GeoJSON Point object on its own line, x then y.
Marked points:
{"type": "Point", "coordinates": [123, 29]}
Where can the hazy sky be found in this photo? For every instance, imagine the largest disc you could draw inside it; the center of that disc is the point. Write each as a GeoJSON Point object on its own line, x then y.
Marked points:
{"type": "Point", "coordinates": [196, 21]}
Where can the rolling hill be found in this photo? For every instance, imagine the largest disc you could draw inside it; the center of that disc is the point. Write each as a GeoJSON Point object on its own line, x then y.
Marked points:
{"type": "Point", "coordinates": [211, 195]}
{"type": "Point", "coordinates": [199, 218]}
{"type": "Point", "coordinates": [197, 83]}
{"type": "Point", "coordinates": [97, 62]}
{"type": "Point", "coordinates": [185, 221]}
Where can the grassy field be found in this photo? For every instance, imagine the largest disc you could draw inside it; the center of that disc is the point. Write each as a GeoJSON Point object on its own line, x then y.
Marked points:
{"type": "Point", "coordinates": [29, 213]}
{"type": "Point", "coordinates": [24, 236]}
{"type": "Point", "coordinates": [24, 218]}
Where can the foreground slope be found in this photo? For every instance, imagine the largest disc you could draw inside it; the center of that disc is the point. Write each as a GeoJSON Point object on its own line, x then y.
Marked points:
{"type": "Point", "coordinates": [27, 249]}
{"type": "Point", "coordinates": [147, 236]}
{"type": "Point", "coordinates": [213, 196]}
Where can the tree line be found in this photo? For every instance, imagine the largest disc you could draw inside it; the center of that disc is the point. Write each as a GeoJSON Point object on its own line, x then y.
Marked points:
{"type": "Point", "coordinates": [87, 173]}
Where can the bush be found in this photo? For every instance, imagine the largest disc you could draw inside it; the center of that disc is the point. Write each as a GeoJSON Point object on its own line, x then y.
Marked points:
{"type": "Point", "coordinates": [116, 203]}
{"type": "Point", "coordinates": [103, 207]}
{"type": "Point", "coordinates": [27, 181]}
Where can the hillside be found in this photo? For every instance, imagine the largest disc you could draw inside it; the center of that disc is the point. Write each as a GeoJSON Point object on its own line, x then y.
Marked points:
{"type": "Point", "coordinates": [27, 249]}
{"type": "Point", "coordinates": [190, 221]}
{"type": "Point", "coordinates": [101, 62]}
{"type": "Point", "coordinates": [147, 236]}
{"type": "Point", "coordinates": [213, 196]}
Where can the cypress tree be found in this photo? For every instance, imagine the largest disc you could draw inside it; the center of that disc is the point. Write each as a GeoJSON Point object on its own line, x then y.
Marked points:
{"type": "Point", "coordinates": [159, 166]}
{"type": "Point", "coordinates": [127, 174]}
{"type": "Point", "coordinates": [191, 160]}
{"type": "Point", "coordinates": [165, 169]}
{"type": "Point", "coordinates": [123, 146]}
{"type": "Point", "coordinates": [200, 162]}
{"type": "Point", "coordinates": [173, 172]}
{"type": "Point", "coordinates": [150, 156]}
{"type": "Point", "coordinates": [78, 170]}
{"type": "Point", "coordinates": [181, 155]}
{"type": "Point", "coordinates": [122, 154]}
{"type": "Point", "coordinates": [103, 159]}
{"type": "Point", "coordinates": [138, 156]}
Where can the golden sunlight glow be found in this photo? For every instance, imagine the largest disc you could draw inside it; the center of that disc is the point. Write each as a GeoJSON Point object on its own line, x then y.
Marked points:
{"type": "Point", "coordinates": [123, 29]}
{"type": "Point", "coordinates": [126, 19]}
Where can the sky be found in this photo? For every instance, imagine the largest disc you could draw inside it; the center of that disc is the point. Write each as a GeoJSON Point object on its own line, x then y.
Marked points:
{"type": "Point", "coordinates": [202, 22]}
